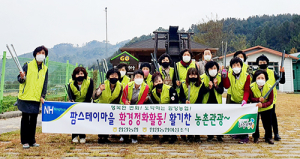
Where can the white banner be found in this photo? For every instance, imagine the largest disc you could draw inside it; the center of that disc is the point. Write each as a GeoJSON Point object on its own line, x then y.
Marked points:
{"type": "Point", "coordinates": [171, 119]}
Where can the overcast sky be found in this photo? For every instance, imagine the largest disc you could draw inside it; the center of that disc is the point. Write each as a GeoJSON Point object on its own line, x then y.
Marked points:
{"type": "Point", "coordinates": [31, 23]}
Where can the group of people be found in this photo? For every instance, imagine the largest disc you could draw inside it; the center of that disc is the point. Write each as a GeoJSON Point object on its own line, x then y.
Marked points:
{"type": "Point", "coordinates": [205, 80]}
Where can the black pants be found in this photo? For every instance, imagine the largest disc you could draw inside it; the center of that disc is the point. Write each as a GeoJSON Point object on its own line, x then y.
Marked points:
{"type": "Point", "coordinates": [28, 128]}
{"type": "Point", "coordinates": [266, 118]}
{"type": "Point", "coordinates": [81, 136]}
{"type": "Point", "coordinates": [274, 121]}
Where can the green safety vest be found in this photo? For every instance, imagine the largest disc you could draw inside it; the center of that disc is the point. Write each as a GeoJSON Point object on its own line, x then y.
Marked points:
{"type": "Point", "coordinates": [164, 95]}
{"type": "Point", "coordinates": [257, 93]}
{"type": "Point", "coordinates": [131, 86]}
{"type": "Point", "coordinates": [272, 81]}
{"type": "Point", "coordinates": [194, 91]}
{"type": "Point", "coordinates": [149, 82]}
{"type": "Point", "coordinates": [244, 69]}
{"type": "Point", "coordinates": [125, 81]}
{"type": "Point", "coordinates": [237, 86]}
{"type": "Point", "coordinates": [106, 95]}
{"type": "Point", "coordinates": [80, 95]}
{"type": "Point", "coordinates": [31, 89]}
{"type": "Point", "coordinates": [205, 79]}
{"type": "Point", "coordinates": [183, 70]}
{"type": "Point", "coordinates": [171, 72]}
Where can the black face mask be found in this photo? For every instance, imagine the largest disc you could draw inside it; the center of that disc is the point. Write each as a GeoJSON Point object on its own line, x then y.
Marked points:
{"type": "Point", "coordinates": [113, 80]}
{"type": "Point", "coordinates": [263, 66]}
{"type": "Point", "coordinates": [193, 79]}
{"type": "Point", "coordinates": [159, 86]}
{"type": "Point", "coordinates": [79, 79]}
{"type": "Point", "coordinates": [165, 64]}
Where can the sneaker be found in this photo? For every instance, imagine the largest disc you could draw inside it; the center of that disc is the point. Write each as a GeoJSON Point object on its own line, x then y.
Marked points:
{"type": "Point", "coordinates": [35, 145]}
{"type": "Point", "coordinates": [277, 137]}
{"type": "Point", "coordinates": [26, 146]}
{"type": "Point", "coordinates": [244, 141]}
{"type": "Point", "coordinates": [121, 139]}
{"type": "Point", "coordinates": [134, 141]}
{"type": "Point", "coordinates": [75, 140]}
{"type": "Point", "coordinates": [82, 140]}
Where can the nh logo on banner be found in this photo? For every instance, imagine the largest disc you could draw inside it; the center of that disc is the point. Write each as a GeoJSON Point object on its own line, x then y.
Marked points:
{"type": "Point", "coordinates": [48, 109]}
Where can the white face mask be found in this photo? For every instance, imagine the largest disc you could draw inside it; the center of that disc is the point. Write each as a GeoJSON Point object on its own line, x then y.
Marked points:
{"type": "Point", "coordinates": [186, 59]}
{"type": "Point", "coordinates": [138, 81]}
{"type": "Point", "coordinates": [236, 70]}
{"type": "Point", "coordinates": [260, 82]}
{"type": "Point", "coordinates": [123, 73]}
{"type": "Point", "coordinates": [40, 58]}
{"type": "Point", "coordinates": [207, 57]}
{"type": "Point", "coordinates": [242, 59]}
{"type": "Point", "coordinates": [212, 73]}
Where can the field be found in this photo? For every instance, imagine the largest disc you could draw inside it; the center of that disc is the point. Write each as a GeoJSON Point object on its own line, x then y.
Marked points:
{"type": "Point", "coordinates": [59, 145]}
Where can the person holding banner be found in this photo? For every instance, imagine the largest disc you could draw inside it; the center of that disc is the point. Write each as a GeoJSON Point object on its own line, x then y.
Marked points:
{"type": "Point", "coordinates": [239, 82]}
{"type": "Point", "coordinates": [263, 62]}
{"type": "Point", "coordinates": [146, 68]}
{"type": "Point", "coordinates": [259, 89]}
{"type": "Point", "coordinates": [163, 94]}
{"type": "Point", "coordinates": [165, 68]}
{"type": "Point", "coordinates": [213, 83]}
{"type": "Point", "coordinates": [81, 89]}
{"type": "Point", "coordinates": [207, 56]}
{"type": "Point", "coordinates": [32, 92]}
{"type": "Point", "coordinates": [191, 92]}
{"type": "Point", "coordinates": [110, 93]}
{"type": "Point", "coordinates": [135, 93]}
{"type": "Point", "coordinates": [123, 69]}
{"type": "Point", "coordinates": [184, 65]}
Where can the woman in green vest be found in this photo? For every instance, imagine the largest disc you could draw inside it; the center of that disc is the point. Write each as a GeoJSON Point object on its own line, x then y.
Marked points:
{"type": "Point", "coordinates": [135, 93]}
{"type": "Point", "coordinates": [163, 94]}
{"type": "Point", "coordinates": [245, 68]}
{"type": "Point", "coordinates": [110, 93]}
{"type": "Point", "coordinates": [214, 86]}
{"type": "Point", "coordinates": [123, 69]}
{"type": "Point", "coordinates": [259, 89]}
{"type": "Point", "coordinates": [184, 65]}
{"type": "Point", "coordinates": [263, 63]}
{"type": "Point", "coordinates": [146, 68]}
{"type": "Point", "coordinates": [239, 83]}
{"type": "Point", "coordinates": [81, 88]}
{"type": "Point", "coordinates": [32, 92]}
{"type": "Point", "coordinates": [165, 69]}
{"type": "Point", "coordinates": [197, 90]}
